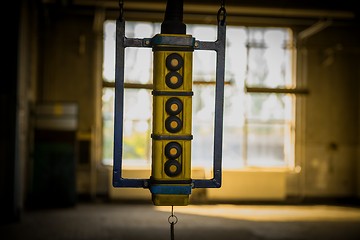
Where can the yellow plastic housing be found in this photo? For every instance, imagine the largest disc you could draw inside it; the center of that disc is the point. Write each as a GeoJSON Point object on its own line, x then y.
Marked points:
{"type": "Point", "coordinates": [160, 115]}
{"type": "Point", "coordinates": [170, 200]}
{"type": "Point", "coordinates": [160, 71]}
{"type": "Point", "coordinates": [161, 134]}
{"type": "Point", "coordinates": [159, 159]}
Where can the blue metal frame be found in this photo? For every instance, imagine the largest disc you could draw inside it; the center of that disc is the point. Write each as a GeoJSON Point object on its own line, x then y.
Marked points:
{"type": "Point", "coordinates": [121, 43]}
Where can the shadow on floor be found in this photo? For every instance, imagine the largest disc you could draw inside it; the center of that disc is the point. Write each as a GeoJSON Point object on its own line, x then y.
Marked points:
{"type": "Point", "coordinates": [126, 221]}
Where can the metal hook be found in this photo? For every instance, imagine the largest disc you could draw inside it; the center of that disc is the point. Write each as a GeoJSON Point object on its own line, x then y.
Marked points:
{"type": "Point", "coordinates": [221, 16]}
{"type": "Point", "coordinates": [172, 218]}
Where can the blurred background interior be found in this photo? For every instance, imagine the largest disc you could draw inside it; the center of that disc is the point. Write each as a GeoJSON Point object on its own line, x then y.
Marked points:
{"type": "Point", "coordinates": [291, 110]}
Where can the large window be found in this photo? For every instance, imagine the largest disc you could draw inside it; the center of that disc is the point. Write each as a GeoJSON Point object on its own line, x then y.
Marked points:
{"type": "Point", "coordinates": [258, 119]}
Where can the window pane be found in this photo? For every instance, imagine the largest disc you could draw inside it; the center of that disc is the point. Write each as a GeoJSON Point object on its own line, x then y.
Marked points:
{"type": "Point", "coordinates": [269, 63]}
{"type": "Point", "coordinates": [137, 121]}
{"type": "Point", "coordinates": [108, 125]}
{"type": "Point", "coordinates": [263, 106]}
{"type": "Point", "coordinates": [269, 130]}
{"type": "Point", "coordinates": [138, 61]}
{"type": "Point", "coordinates": [109, 51]}
{"type": "Point", "coordinates": [203, 125]}
{"type": "Point", "coordinates": [136, 128]}
{"type": "Point", "coordinates": [265, 145]}
{"type": "Point", "coordinates": [236, 58]}
{"type": "Point", "coordinates": [234, 104]}
{"type": "Point", "coordinates": [138, 65]}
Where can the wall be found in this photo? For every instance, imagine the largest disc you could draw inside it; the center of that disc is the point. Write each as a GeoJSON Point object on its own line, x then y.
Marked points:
{"type": "Point", "coordinates": [67, 74]}
{"type": "Point", "coordinates": [9, 163]}
{"type": "Point", "coordinates": [68, 63]}
{"type": "Point", "coordinates": [332, 124]}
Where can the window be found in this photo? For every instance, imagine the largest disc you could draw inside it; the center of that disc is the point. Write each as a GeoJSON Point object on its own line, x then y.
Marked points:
{"type": "Point", "coordinates": [269, 118]}
{"type": "Point", "coordinates": [258, 119]}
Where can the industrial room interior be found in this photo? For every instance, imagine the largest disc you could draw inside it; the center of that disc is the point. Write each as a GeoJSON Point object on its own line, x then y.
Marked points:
{"type": "Point", "coordinates": [291, 121]}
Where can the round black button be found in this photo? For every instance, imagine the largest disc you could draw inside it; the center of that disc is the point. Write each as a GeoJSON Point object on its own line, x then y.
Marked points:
{"type": "Point", "coordinates": [172, 168]}
{"type": "Point", "coordinates": [173, 80]}
{"type": "Point", "coordinates": [173, 124]}
{"type": "Point", "coordinates": [173, 150]}
{"type": "Point", "coordinates": [173, 106]}
{"type": "Point", "coordinates": [174, 62]}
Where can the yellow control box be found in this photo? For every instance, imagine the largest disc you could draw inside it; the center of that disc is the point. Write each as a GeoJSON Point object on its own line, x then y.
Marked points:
{"type": "Point", "coordinates": [172, 118]}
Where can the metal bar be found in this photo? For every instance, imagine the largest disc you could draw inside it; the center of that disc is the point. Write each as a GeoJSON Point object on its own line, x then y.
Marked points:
{"type": "Point", "coordinates": [219, 45]}
{"type": "Point", "coordinates": [203, 45]}
{"type": "Point", "coordinates": [172, 40]}
{"type": "Point", "coordinates": [119, 103]}
{"type": "Point", "coordinates": [205, 183]}
{"type": "Point", "coordinates": [137, 42]}
{"type": "Point", "coordinates": [118, 180]}
{"type": "Point", "coordinates": [219, 101]}
{"type": "Point", "coordinates": [276, 90]}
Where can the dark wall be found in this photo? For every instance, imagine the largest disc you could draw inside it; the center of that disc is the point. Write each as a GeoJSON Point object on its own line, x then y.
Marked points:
{"type": "Point", "coordinates": [331, 115]}
{"type": "Point", "coordinates": [9, 211]}
{"type": "Point", "coordinates": [67, 60]}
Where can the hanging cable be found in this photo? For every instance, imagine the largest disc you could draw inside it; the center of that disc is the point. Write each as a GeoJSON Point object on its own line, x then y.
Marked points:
{"type": "Point", "coordinates": [173, 19]}
{"type": "Point", "coordinates": [221, 15]}
{"type": "Point", "coordinates": [121, 10]}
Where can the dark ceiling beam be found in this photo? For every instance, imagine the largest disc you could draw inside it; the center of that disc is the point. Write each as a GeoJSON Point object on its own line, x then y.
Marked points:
{"type": "Point", "coordinates": [290, 13]}
{"type": "Point", "coordinates": [293, 8]}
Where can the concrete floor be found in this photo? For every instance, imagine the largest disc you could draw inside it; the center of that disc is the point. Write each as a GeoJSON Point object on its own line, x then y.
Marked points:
{"type": "Point", "coordinates": [124, 221]}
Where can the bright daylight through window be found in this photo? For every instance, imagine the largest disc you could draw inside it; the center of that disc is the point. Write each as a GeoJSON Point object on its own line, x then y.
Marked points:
{"type": "Point", "coordinates": [258, 127]}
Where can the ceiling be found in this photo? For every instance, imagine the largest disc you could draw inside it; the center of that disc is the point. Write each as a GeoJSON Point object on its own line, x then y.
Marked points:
{"type": "Point", "coordinates": [299, 11]}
